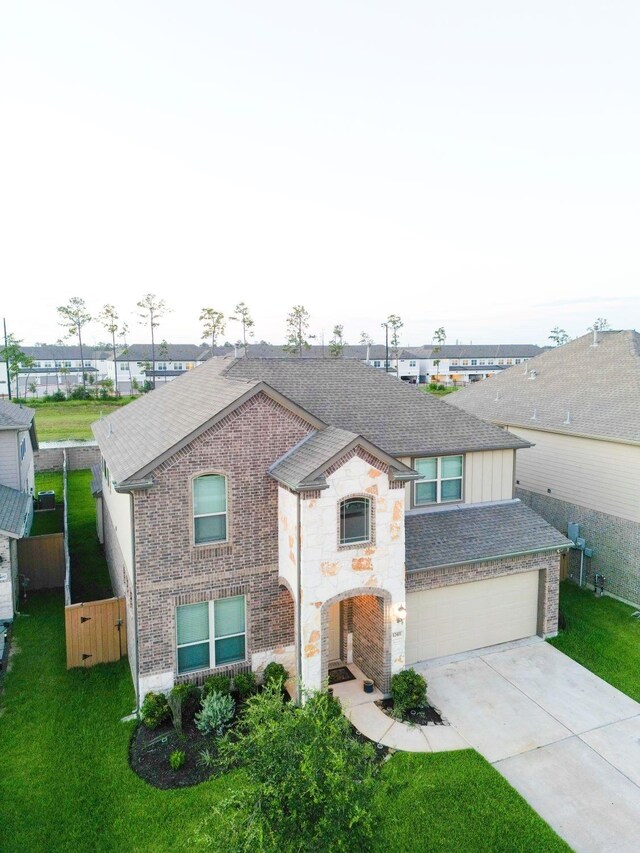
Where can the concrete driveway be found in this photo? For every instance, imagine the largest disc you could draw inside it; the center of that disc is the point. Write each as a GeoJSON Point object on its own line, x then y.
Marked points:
{"type": "Point", "coordinates": [565, 739]}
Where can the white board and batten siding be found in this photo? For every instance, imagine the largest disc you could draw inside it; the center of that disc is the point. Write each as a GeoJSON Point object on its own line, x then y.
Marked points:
{"type": "Point", "coordinates": [488, 476]}
{"type": "Point", "coordinates": [453, 619]}
{"type": "Point", "coordinates": [599, 475]}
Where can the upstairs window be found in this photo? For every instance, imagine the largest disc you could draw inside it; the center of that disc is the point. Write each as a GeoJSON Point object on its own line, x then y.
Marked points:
{"type": "Point", "coordinates": [440, 482]}
{"type": "Point", "coordinates": [210, 508]}
{"type": "Point", "coordinates": [412, 363]}
{"type": "Point", "coordinates": [355, 521]}
{"type": "Point", "coordinates": [376, 363]}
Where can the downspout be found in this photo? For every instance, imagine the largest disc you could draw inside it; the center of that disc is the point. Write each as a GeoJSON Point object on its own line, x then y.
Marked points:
{"type": "Point", "coordinates": [299, 604]}
{"type": "Point", "coordinates": [136, 680]}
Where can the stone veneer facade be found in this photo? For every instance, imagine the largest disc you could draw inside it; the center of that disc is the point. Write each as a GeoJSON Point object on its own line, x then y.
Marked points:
{"type": "Point", "coordinates": [616, 543]}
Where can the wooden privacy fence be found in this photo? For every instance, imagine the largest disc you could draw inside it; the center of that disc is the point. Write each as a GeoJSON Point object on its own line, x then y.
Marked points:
{"type": "Point", "coordinates": [96, 632]}
{"type": "Point", "coordinates": [41, 560]}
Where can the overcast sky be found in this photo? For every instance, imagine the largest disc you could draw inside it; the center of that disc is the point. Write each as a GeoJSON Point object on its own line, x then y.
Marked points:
{"type": "Point", "coordinates": [462, 164]}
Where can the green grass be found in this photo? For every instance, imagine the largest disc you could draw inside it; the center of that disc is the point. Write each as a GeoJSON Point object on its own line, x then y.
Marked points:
{"type": "Point", "coordinates": [601, 635]}
{"type": "Point", "coordinates": [455, 801]}
{"type": "Point", "coordinates": [442, 392]}
{"type": "Point", "coordinates": [49, 521]}
{"type": "Point", "coordinates": [65, 783]}
{"type": "Point", "coordinates": [50, 481]}
{"type": "Point", "coordinates": [70, 419]}
{"type": "Point", "coordinates": [90, 579]}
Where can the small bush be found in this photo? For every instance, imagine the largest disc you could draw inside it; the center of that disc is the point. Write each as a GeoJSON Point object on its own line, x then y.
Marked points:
{"type": "Point", "coordinates": [177, 759]}
{"type": "Point", "coordinates": [409, 692]}
{"type": "Point", "coordinates": [80, 393]}
{"type": "Point", "coordinates": [217, 684]}
{"type": "Point", "coordinates": [275, 673]}
{"type": "Point", "coordinates": [207, 758]}
{"type": "Point", "coordinates": [245, 684]}
{"type": "Point", "coordinates": [154, 710]}
{"type": "Point", "coordinates": [57, 396]}
{"type": "Point", "coordinates": [216, 714]}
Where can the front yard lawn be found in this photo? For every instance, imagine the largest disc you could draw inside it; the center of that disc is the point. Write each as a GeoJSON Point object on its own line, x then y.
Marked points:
{"type": "Point", "coordinates": [601, 635]}
{"type": "Point", "coordinates": [66, 785]}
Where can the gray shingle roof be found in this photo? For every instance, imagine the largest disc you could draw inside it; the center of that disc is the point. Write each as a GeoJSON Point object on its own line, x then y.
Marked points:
{"type": "Point", "coordinates": [395, 416]}
{"type": "Point", "coordinates": [472, 533]}
{"type": "Point", "coordinates": [13, 416]}
{"type": "Point", "coordinates": [357, 351]}
{"type": "Point", "coordinates": [302, 467]}
{"type": "Point", "coordinates": [487, 351]}
{"type": "Point", "coordinates": [598, 387]}
{"type": "Point", "coordinates": [173, 352]}
{"type": "Point", "coordinates": [138, 434]}
{"type": "Point", "coordinates": [304, 459]}
{"type": "Point", "coordinates": [14, 509]}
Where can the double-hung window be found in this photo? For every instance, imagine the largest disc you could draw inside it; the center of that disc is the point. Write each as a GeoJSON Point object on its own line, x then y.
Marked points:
{"type": "Point", "coordinates": [355, 521]}
{"type": "Point", "coordinates": [210, 508]}
{"type": "Point", "coordinates": [440, 481]}
{"type": "Point", "coordinates": [211, 633]}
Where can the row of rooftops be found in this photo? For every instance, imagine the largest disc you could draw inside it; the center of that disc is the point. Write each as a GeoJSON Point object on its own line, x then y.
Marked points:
{"type": "Point", "coordinates": [200, 353]}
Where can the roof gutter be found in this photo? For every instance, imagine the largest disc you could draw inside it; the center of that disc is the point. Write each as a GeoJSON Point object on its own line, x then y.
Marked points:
{"type": "Point", "coordinates": [559, 548]}
{"type": "Point", "coordinates": [133, 486]}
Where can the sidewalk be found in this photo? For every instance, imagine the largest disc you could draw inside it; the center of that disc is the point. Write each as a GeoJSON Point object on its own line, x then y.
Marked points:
{"type": "Point", "coordinates": [360, 709]}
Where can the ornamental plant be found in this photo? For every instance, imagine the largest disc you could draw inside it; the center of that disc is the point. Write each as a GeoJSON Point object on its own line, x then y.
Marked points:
{"type": "Point", "coordinates": [155, 710]}
{"type": "Point", "coordinates": [408, 691]}
{"type": "Point", "coordinates": [177, 759]}
{"type": "Point", "coordinates": [216, 714]}
{"type": "Point", "coordinates": [275, 673]}
{"type": "Point", "coordinates": [309, 782]}
{"type": "Point", "coordinates": [217, 684]}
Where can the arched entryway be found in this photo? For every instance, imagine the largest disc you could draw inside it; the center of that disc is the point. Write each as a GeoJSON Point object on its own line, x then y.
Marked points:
{"type": "Point", "coordinates": [356, 628]}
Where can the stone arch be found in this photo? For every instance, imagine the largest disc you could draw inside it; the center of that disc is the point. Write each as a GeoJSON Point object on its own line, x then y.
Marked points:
{"type": "Point", "coordinates": [382, 674]}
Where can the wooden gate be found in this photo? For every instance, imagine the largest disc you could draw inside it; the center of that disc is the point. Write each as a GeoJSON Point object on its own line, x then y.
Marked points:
{"type": "Point", "coordinates": [96, 632]}
{"type": "Point", "coordinates": [41, 560]}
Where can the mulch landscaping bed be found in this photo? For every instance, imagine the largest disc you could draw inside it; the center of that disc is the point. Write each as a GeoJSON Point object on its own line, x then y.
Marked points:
{"type": "Point", "coordinates": [425, 716]}
{"type": "Point", "coordinates": [150, 749]}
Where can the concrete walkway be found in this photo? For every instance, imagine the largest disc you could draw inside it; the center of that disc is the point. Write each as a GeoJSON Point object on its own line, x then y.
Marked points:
{"type": "Point", "coordinates": [564, 738]}
{"type": "Point", "coordinates": [360, 709]}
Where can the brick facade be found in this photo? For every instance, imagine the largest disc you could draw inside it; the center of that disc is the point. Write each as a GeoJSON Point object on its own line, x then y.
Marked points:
{"type": "Point", "coordinates": [367, 626]}
{"type": "Point", "coordinates": [616, 543]}
{"type": "Point", "coordinates": [547, 563]}
{"type": "Point", "coordinates": [172, 570]}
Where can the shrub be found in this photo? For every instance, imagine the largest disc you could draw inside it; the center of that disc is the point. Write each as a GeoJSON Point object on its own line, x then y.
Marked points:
{"type": "Point", "coordinates": [217, 684]}
{"type": "Point", "coordinates": [207, 758]}
{"type": "Point", "coordinates": [409, 692]}
{"type": "Point", "coordinates": [245, 684]}
{"type": "Point", "coordinates": [154, 710]}
{"type": "Point", "coordinates": [57, 396]}
{"type": "Point", "coordinates": [80, 393]}
{"type": "Point", "coordinates": [177, 759]}
{"type": "Point", "coordinates": [309, 782]}
{"type": "Point", "coordinates": [177, 700]}
{"type": "Point", "coordinates": [275, 673]}
{"type": "Point", "coordinates": [216, 714]}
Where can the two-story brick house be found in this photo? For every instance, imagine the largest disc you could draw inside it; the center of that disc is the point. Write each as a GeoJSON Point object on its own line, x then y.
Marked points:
{"type": "Point", "coordinates": [313, 511]}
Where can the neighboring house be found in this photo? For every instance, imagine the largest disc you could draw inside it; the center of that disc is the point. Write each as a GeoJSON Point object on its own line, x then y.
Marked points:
{"type": "Point", "coordinates": [312, 511]}
{"type": "Point", "coordinates": [17, 444]}
{"type": "Point", "coordinates": [54, 367]}
{"type": "Point", "coordinates": [579, 404]}
{"type": "Point", "coordinates": [449, 364]}
{"type": "Point", "coordinates": [134, 363]}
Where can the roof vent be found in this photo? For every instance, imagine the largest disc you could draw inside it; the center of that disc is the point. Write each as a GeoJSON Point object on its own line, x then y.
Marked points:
{"type": "Point", "coordinates": [567, 420]}
{"type": "Point", "coordinates": [534, 416]}
{"type": "Point", "coordinates": [595, 338]}
{"type": "Point", "coordinates": [110, 429]}
{"type": "Point", "coordinates": [497, 400]}
{"type": "Point", "coordinates": [533, 374]}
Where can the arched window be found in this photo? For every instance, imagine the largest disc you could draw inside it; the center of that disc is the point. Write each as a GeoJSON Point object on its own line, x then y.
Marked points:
{"type": "Point", "coordinates": [355, 521]}
{"type": "Point", "coordinates": [210, 508]}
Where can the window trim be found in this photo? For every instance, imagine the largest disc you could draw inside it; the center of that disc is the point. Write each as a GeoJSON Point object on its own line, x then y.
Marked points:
{"type": "Point", "coordinates": [212, 635]}
{"type": "Point", "coordinates": [213, 542]}
{"type": "Point", "coordinates": [438, 481]}
{"type": "Point", "coordinates": [369, 521]}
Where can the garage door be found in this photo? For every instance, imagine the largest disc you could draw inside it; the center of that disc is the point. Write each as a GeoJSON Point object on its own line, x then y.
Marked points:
{"type": "Point", "coordinates": [471, 615]}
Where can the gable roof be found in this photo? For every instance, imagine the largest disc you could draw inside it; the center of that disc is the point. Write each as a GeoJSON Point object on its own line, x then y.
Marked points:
{"type": "Point", "coordinates": [137, 437]}
{"type": "Point", "coordinates": [303, 466]}
{"type": "Point", "coordinates": [395, 416]}
{"type": "Point", "coordinates": [14, 511]}
{"type": "Point", "coordinates": [172, 352]}
{"type": "Point", "coordinates": [470, 534]}
{"type": "Point", "coordinates": [577, 389]}
{"type": "Point", "coordinates": [485, 351]}
{"type": "Point", "coordinates": [14, 416]}
{"type": "Point", "coordinates": [343, 393]}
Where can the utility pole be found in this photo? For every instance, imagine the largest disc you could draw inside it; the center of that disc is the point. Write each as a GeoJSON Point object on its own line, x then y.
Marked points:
{"type": "Point", "coordinates": [385, 326]}
{"type": "Point", "coordinates": [6, 353]}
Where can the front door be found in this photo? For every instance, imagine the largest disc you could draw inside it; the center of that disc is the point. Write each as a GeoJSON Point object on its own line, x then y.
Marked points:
{"type": "Point", "coordinates": [334, 632]}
